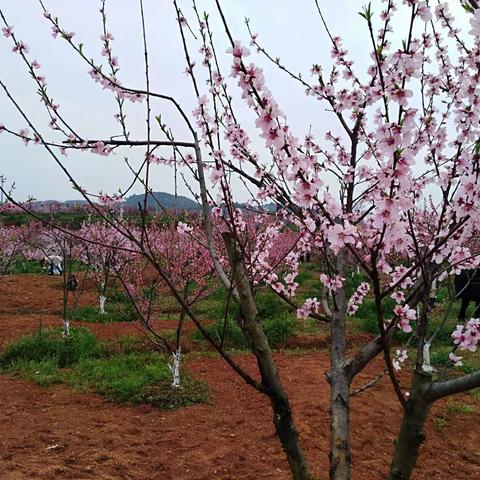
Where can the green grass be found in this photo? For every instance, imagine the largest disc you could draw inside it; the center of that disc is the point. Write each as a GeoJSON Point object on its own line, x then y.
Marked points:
{"type": "Point", "coordinates": [44, 372]}
{"type": "Point", "coordinates": [475, 394]}
{"type": "Point", "coordinates": [130, 344]}
{"type": "Point", "coordinates": [457, 408]}
{"type": "Point", "coordinates": [114, 313]}
{"type": "Point", "coordinates": [452, 408]}
{"type": "Point", "coordinates": [120, 372]}
{"type": "Point", "coordinates": [439, 423]}
{"type": "Point", "coordinates": [121, 377]}
{"type": "Point", "coordinates": [49, 344]}
{"type": "Point", "coordinates": [469, 366]}
{"type": "Point", "coordinates": [307, 326]}
{"type": "Point", "coordinates": [136, 378]}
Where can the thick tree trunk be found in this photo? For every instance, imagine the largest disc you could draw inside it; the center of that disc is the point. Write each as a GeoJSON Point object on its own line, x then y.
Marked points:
{"type": "Point", "coordinates": [282, 418]}
{"type": "Point", "coordinates": [412, 434]}
{"type": "Point", "coordinates": [339, 456]}
{"type": "Point", "coordinates": [288, 435]}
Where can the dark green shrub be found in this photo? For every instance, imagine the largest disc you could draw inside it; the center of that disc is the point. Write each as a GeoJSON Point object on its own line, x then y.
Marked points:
{"type": "Point", "coordinates": [269, 305]}
{"type": "Point", "coordinates": [279, 329]}
{"type": "Point", "coordinates": [228, 330]}
{"type": "Point", "coordinates": [439, 357]}
{"type": "Point", "coordinates": [367, 308]}
{"type": "Point", "coordinates": [444, 334]}
{"type": "Point", "coordinates": [26, 266]}
{"type": "Point", "coordinates": [353, 280]}
{"type": "Point", "coordinates": [369, 324]}
{"type": "Point", "coordinates": [303, 276]}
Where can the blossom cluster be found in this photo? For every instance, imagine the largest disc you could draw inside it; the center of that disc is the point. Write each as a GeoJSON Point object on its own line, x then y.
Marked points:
{"type": "Point", "coordinates": [467, 336]}
{"type": "Point", "coordinates": [331, 283]}
{"type": "Point", "coordinates": [400, 358]}
{"type": "Point", "coordinates": [405, 315]}
{"type": "Point", "coordinates": [357, 298]}
{"type": "Point", "coordinates": [310, 305]}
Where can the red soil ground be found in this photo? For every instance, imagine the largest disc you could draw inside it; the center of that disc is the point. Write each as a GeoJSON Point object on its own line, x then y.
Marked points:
{"type": "Point", "coordinates": [56, 433]}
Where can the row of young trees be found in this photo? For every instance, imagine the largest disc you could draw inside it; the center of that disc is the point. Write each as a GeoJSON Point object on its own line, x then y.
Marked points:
{"type": "Point", "coordinates": [97, 253]}
{"type": "Point", "coordinates": [393, 194]}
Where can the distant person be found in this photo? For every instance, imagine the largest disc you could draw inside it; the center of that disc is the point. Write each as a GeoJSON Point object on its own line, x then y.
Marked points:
{"type": "Point", "coordinates": [72, 283]}
{"type": "Point", "coordinates": [54, 264]}
{"type": "Point", "coordinates": [467, 287]}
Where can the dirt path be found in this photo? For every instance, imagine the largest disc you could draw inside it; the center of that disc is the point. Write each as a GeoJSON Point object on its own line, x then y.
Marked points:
{"type": "Point", "coordinates": [56, 433]}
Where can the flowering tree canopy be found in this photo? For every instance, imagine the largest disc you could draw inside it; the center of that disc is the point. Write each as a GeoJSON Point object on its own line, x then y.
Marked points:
{"type": "Point", "coordinates": [387, 185]}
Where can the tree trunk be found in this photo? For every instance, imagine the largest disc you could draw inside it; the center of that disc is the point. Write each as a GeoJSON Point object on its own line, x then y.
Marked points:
{"type": "Point", "coordinates": [176, 354]}
{"type": "Point", "coordinates": [288, 435]}
{"type": "Point", "coordinates": [412, 434]}
{"type": "Point", "coordinates": [251, 327]}
{"type": "Point", "coordinates": [340, 457]}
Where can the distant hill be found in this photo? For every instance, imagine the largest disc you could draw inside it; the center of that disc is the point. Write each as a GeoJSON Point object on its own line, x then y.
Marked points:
{"type": "Point", "coordinates": [166, 200]}
{"type": "Point", "coordinates": [75, 203]}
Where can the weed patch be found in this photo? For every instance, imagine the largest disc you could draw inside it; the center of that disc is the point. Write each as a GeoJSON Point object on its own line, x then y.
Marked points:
{"type": "Point", "coordinates": [121, 372]}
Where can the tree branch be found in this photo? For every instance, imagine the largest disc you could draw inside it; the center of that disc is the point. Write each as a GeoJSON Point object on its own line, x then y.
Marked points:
{"type": "Point", "coordinates": [450, 387]}
{"type": "Point", "coordinates": [133, 143]}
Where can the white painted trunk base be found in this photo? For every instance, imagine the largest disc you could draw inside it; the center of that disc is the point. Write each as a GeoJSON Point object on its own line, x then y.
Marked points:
{"type": "Point", "coordinates": [175, 368]}
{"type": "Point", "coordinates": [427, 367]}
{"type": "Point", "coordinates": [102, 300]}
{"type": "Point", "coordinates": [66, 328]}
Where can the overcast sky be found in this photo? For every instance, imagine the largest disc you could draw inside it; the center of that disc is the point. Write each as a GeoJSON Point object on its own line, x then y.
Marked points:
{"type": "Point", "coordinates": [289, 29]}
